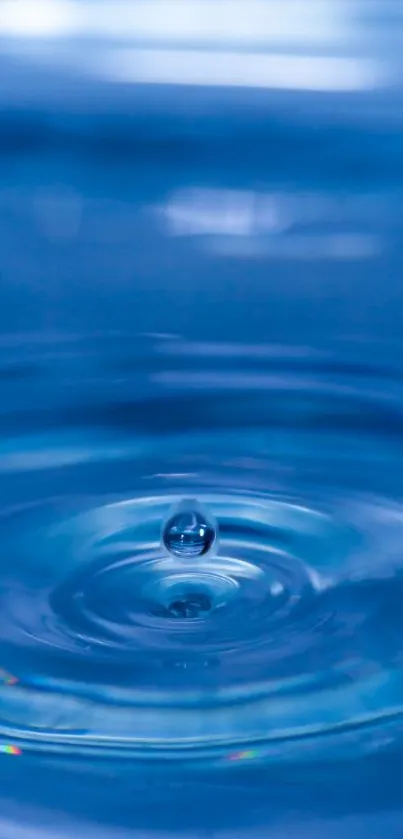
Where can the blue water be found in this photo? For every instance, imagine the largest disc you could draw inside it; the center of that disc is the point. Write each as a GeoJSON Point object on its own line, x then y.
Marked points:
{"type": "Point", "coordinates": [201, 460]}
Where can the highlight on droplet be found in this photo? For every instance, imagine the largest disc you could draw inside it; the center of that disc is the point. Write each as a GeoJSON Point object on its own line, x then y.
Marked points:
{"type": "Point", "coordinates": [9, 749]}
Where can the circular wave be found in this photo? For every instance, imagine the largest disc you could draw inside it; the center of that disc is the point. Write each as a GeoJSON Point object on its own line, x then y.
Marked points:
{"type": "Point", "coordinates": [283, 641]}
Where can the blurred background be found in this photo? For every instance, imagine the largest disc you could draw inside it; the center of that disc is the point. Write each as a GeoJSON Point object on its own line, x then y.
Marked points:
{"type": "Point", "coordinates": [153, 150]}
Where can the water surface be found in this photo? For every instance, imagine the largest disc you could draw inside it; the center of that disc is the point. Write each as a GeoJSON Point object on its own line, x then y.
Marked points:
{"type": "Point", "coordinates": [206, 307]}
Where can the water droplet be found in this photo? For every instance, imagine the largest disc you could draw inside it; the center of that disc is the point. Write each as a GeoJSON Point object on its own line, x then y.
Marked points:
{"type": "Point", "coordinates": [189, 530]}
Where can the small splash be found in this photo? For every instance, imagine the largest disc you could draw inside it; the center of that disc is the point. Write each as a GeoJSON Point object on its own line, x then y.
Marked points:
{"type": "Point", "coordinates": [190, 531]}
{"type": "Point", "coordinates": [190, 605]}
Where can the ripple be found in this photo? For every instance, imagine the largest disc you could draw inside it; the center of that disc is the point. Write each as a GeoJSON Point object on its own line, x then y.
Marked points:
{"type": "Point", "coordinates": [281, 641]}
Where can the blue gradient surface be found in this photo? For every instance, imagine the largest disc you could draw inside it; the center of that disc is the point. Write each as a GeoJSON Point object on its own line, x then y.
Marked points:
{"type": "Point", "coordinates": [201, 298]}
